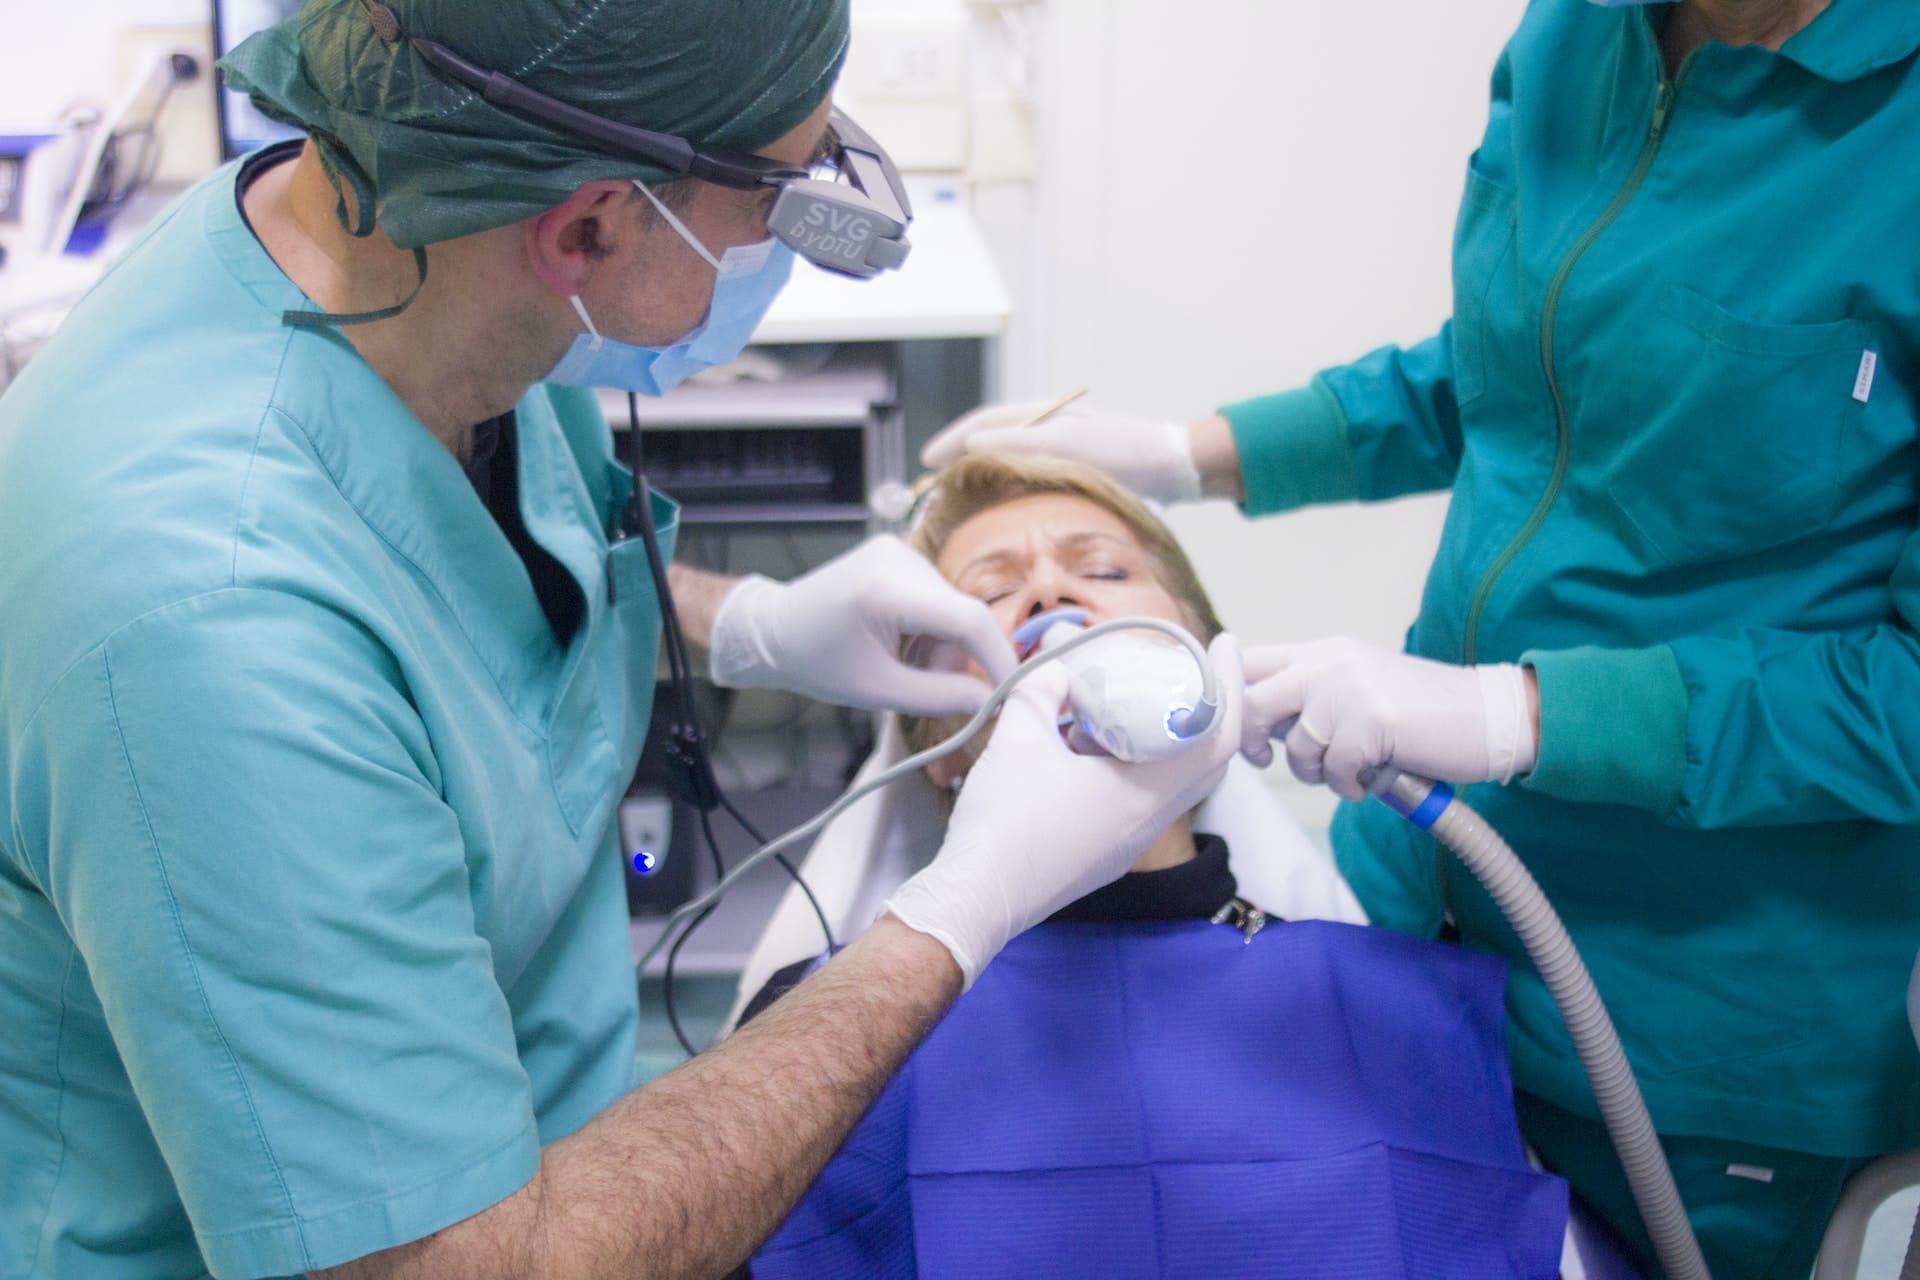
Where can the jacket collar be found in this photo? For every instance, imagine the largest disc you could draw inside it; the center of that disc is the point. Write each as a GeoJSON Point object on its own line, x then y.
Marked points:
{"type": "Point", "coordinates": [1848, 40]}
{"type": "Point", "coordinates": [1855, 38]}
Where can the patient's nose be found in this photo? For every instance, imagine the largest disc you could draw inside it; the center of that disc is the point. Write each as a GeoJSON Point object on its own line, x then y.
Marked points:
{"type": "Point", "coordinates": [1041, 598]}
{"type": "Point", "coordinates": [1047, 586]}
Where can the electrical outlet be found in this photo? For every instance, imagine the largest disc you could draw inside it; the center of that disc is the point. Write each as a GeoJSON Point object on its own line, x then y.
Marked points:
{"type": "Point", "coordinates": [908, 58]}
{"type": "Point", "coordinates": [189, 126]}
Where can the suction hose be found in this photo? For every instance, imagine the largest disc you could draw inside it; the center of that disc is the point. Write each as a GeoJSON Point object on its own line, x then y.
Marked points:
{"type": "Point", "coordinates": [1434, 808]}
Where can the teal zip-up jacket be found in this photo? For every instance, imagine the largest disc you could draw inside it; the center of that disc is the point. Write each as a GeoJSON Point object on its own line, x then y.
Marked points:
{"type": "Point", "coordinates": [1676, 405]}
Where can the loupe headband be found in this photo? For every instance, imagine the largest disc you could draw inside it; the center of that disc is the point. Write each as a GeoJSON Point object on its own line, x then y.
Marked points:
{"type": "Point", "coordinates": [856, 228]}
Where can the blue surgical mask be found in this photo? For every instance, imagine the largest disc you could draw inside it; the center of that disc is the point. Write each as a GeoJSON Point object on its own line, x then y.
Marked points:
{"type": "Point", "coordinates": [747, 278]}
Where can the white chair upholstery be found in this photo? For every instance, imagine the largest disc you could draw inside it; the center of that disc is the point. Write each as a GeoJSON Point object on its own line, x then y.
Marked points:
{"type": "Point", "coordinates": [1867, 1190]}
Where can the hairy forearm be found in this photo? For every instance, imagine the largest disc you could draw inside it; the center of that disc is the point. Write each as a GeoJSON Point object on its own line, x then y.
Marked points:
{"type": "Point", "coordinates": [1217, 457]}
{"type": "Point", "coordinates": [708, 1159]}
{"type": "Point", "coordinates": [687, 1175]}
{"type": "Point", "coordinates": [697, 596]}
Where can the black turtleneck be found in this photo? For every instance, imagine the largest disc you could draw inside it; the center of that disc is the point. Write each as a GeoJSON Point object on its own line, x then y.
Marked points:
{"type": "Point", "coordinates": [1194, 890]}
{"type": "Point", "coordinates": [494, 470]}
{"type": "Point", "coordinates": [1190, 891]}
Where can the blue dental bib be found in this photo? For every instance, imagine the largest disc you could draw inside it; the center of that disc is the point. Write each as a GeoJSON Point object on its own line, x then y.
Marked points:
{"type": "Point", "coordinates": [1168, 1099]}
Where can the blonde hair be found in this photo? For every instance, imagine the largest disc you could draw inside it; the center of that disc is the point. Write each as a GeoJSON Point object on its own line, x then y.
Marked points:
{"type": "Point", "coordinates": [979, 482]}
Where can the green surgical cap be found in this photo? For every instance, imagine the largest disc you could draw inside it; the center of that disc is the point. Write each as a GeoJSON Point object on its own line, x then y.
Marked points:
{"type": "Point", "coordinates": [438, 161]}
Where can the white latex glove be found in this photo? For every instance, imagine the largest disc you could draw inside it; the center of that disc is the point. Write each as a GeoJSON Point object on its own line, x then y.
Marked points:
{"type": "Point", "coordinates": [835, 634]}
{"type": "Point", "coordinates": [1154, 459]}
{"type": "Point", "coordinates": [1345, 707]}
{"type": "Point", "coordinates": [1037, 826]}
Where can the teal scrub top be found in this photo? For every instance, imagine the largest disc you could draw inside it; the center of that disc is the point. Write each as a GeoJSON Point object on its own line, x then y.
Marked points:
{"type": "Point", "coordinates": [311, 931]}
{"type": "Point", "coordinates": [1676, 406]}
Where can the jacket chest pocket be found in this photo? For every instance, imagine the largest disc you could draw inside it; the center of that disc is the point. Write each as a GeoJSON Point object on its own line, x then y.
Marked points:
{"type": "Point", "coordinates": [1482, 250]}
{"type": "Point", "coordinates": [1736, 433]}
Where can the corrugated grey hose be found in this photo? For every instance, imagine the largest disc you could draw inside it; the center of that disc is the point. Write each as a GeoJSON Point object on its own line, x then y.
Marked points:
{"type": "Point", "coordinates": [1436, 809]}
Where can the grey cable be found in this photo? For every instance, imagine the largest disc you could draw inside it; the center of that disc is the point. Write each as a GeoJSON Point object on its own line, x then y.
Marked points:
{"type": "Point", "coordinates": [1519, 897]}
{"type": "Point", "coordinates": [1210, 694]}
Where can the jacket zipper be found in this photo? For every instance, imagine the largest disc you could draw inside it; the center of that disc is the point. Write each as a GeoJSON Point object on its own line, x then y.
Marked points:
{"type": "Point", "coordinates": [1662, 109]}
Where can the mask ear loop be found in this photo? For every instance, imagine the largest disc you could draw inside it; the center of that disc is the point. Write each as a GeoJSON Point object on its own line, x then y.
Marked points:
{"type": "Point", "coordinates": [678, 225]}
{"type": "Point", "coordinates": [580, 309]}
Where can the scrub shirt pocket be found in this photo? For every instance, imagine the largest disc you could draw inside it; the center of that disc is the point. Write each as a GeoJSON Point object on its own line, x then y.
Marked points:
{"type": "Point", "coordinates": [601, 720]}
{"type": "Point", "coordinates": [1482, 244]}
{"type": "Point", "coordinates": [1736, 432]}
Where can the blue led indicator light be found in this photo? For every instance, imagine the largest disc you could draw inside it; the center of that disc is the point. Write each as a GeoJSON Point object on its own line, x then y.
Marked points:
{"type": "Point", "coordinates": [644, 862]}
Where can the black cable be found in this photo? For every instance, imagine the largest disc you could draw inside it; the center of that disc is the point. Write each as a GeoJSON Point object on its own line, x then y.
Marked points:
{"type": "Point", "coordinates": [781, 858]}
{"type": "Point", "coordinates": [673, 954]}
{"type": "Point", "coordinates": [687, 743]}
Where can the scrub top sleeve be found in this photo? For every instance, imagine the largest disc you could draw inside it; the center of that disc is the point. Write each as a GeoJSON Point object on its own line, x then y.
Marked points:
{"type": "Point", "coordinates": [1384, 426]}
{"type": "Point", "coordinates": [1613, 726]}
{"type": "Point", "coordinates": [1792, 727]}
{"type": "Point", "coordinates": [247, 845]}
{"type": "Point", "coordinates": [1761, 727]}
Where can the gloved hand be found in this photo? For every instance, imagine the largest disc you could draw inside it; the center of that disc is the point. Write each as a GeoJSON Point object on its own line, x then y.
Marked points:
{"type": "Point", "coordinates": [1038, 826]}
{"type": "Point", "coordinates": [1344, 707]}
{"type": "Point", "coordinates": [835, 634]}
{"type": "Point", "coordinates": [1153, 459]}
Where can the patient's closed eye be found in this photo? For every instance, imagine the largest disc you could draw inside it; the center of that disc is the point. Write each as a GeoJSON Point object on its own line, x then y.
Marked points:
{"type": "Point", "coordinates": [1099, 559]}
{"type": "Point", "coordinates": [990, 587]}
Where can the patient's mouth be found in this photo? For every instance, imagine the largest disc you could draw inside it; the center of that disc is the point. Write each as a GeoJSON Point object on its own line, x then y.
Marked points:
{"type": "Point", "coordinates": [1026, 636]}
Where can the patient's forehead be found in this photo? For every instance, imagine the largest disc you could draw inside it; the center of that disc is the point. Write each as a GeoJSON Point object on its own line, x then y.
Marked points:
{"type": "Point", "coordinates": [1013, 526]}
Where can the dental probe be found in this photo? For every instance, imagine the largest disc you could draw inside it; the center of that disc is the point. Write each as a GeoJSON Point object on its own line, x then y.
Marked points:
{"type": "Point", "coordinates": [925, 484]}
{"type": "Point", "coordinates": [1055, 407]}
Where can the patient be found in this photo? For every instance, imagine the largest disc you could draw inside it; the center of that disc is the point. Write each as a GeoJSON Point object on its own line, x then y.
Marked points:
{"type": "Point", "coordinates": [1160, 1080]}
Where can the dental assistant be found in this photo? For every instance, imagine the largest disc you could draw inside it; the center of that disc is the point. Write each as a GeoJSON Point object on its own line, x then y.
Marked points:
{"type": "Point", "coordinates": [326, 662]}
{"type": "Point", "coordinates": [1674, 622]}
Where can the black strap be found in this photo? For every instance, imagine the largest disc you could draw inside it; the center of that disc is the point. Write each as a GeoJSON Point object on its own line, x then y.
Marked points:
{"type": "Point", "coordinates": [336, 320]}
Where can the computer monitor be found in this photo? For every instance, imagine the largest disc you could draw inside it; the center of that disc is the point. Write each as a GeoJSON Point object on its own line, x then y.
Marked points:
{"type": "Point", "coordinates": [242, 127]}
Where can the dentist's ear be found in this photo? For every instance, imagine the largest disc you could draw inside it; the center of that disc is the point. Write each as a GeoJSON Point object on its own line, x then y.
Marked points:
{"type": "Point", "coordinates": [564, 244]}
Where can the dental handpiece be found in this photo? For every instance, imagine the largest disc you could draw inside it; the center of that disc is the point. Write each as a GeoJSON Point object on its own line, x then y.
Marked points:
{"type": "Point", "coordinates": [1134, 697]}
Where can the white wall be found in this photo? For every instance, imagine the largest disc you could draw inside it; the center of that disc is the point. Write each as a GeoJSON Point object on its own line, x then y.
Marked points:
{"type": "Point", "coordinates": [1233, 194]}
